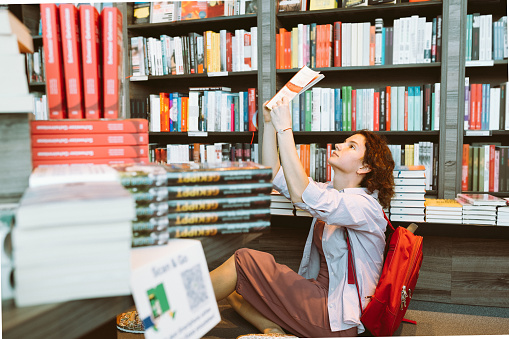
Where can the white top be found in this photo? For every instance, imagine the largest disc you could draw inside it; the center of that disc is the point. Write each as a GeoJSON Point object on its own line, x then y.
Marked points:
{"type": "Point", "coordinates": [362, 214]}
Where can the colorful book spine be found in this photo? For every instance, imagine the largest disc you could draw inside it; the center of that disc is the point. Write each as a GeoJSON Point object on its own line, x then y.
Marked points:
{"type": "Point", "coordinates": [89, 152]}
{"type": "Point", "coordinates": [89, 126]}
{"type": "Point", "coordinates": [59, 140]}
{"type": "Point", "coordinates": [220, 204]}
{"type": "Point", "coordinates": [111, 19]}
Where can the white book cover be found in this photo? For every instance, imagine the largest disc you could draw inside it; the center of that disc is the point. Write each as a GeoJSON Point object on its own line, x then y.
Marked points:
{"type": "Point", "coordinates": [348, 44]}
{"type": "Point", "coordinates": [325, 110]}
{"type": "Point", "coordinates": [482, 37]}
{"type": "Point", "coordinates": [353, 44]}
{"type": "Point", "coordinates": [300, 49]}
{"type": "Point", "coordinates": [360, 44]}
{"type": "Point", "coordinates": [379, 26]}
{"type": "Point", "coordinates": [218, 116]}
{"type": "Point", "coordinates": [406, 40]}
{"type": "Point", "coordinates": [421, 28]}
{"type": "Point", "coordinates": [332, 106]}
{"type": "Point", "coordinates": [489, 37]}
{"type": "Point", "coordinates": [428, 31]}
{"type": "Point", "coordinates": [172, 290]}
{"type": "Point", "coordinates": [222, 37]}
{"type": "Point", "coordinates": [486, 167]}
{"type": "Point", "coordinates": [42, 176]}
{"type": "Point", "coordinates": [193, 111]}
{"type": "Point", "coordinates": [394, 108]}
{"type": "Point", "coordinates": [254, 48]}
{"type": "Point", "coordinates": [226, 116]}
{"type": "Point", "coordinates": [155, 113]}
{"type": "Point", "coordinates": [343, 43]}
{"type": "Point", "coordinates": [365, 43]}
{"type": "Point", "coordinates": [417, 160]}
{"type": "Point", "coordinates": [316, 108]}
{"type": "Point", "coordinates": [436, 126]}
{"type": "Point", "coordinates": [401, 108]}
{"type": "Point", "coordinates": [371, 108]}
{"type": "Point", "coordinates": [211, 111]}
{"type": "Point", "coordinates": [396, 42]}
{"type": "Point", "coordinates": [494, 113]}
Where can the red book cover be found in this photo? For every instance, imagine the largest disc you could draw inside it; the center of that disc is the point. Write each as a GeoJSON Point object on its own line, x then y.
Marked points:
{"type": "Point", "coordinates": [478, 106]}
{"type": "Point", "coordinates": [252, 109]}
{"type": "Point", "coordinates": [94, 139]}
{"type": "Point", "coordinates": [164, 109]}
{"type": "Point", "coordinates": [372, 43]}
{"type": "Point", "coordinates": [473, 106]}
{"type": "Point", "coordinates": [229, 64]}
{"type": "Point", "coordinates": [111, 19]}
{"type": "Point", "coordinates": [464, 167]}
{"type": "Point", "coordinates": [406, 110]}
{"type": "Point", "coordinates": [288, 50]}
{"type": "Point", "coordinates": [93, 161]}
{"type": "Point", "coordinates": [337, 44]}
{"type": "Point", "coordinates": [215, 9]}
{"type": "Point", "coordinates": [90, 47]}
{"type": "Point", "coordinates": [55, 89]}
{"type": "Point", "coordinates": [247, 49]}
{"type": "Point", "coordinates": [232, 117]}
{"type": "Point", "coordinates": [89, 152]}
{"type": "Point", "coordinates": [492, 169]}
{"type": "Point", "coordinates": [330, 45]}
{"type": "Point", "coordinates": [191, 10]}
{"type": "Point", "coordinates": [329, 169]}
{"type": "Point", "coordinates": [185, 109]}
{"type": "Point", "coordinates": [354, 110]}
{"type": "Point", "coordinates": [88, 126]}
{"type": "Point", "coordinates": [278, 51]}
{"type": "Point", "coordinates": [282, 48]}
{"type": "Point", "coordinates": [319, 47]}
{"type": "Point", "coordinates": [71, 55]}
{"type": "Point", "coordinates": [388, 108]}
{"type": "Point", "coordinates": [376, 112]}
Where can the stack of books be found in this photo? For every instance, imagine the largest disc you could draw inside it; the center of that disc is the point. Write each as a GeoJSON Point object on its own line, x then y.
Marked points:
{"type": "Point", "coordinates": [407, 203]}
{"type": "Point", "coordinates": [280, 205]}
{"type": "Point", "coordinates": [479, 209]}
{"type": "Point", "coordinates": [147, 185]}
{"type": "Point", "coordinates": [503, 214]}
{"type": "Point", "coordinates": [447, 211]}
{"type": "Point", "coordinates": [206, 199]}
{"type": "Point", "coordinates": [71, 142]}
{"type": "Point", "coordinates": [72, 241]}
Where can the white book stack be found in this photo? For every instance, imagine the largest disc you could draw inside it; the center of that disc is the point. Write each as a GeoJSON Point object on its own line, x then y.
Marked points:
{"type": "Point", "coordinates": [503, 214]}
{"type": "Point", "coordinates": [280, 205]}
{"type": "Point", "coordinates": [407, 204]}
{"type": "Point", "coordinates": [72, 240]}
{"type": "Point", "coordinates": [447, 211]}
{"type": "Point", "coordinates": [480, 209]}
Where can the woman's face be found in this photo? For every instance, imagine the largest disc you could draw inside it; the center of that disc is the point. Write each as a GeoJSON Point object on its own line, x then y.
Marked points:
{"type": "Point", "coordinates": [348, 156]}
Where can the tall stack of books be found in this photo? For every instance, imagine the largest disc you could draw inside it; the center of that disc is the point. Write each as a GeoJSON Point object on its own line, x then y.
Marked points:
{"type": "Point", "coordinates": [72, 241]}
{"type": "Point", "coordinates": [147, 185]}
{"type": "Point", "coordinates": [205, 199]}
{"type": "Point", "coordinates": [479, 208]}
{"type": "Point", "coordinates": [503, 214]}
{"type": "Point", "coordinates": [70, 142]}
{"type": "Point", "coordinates": [447, 211]}
{"type": "Point", "coordinates": [407, 203]}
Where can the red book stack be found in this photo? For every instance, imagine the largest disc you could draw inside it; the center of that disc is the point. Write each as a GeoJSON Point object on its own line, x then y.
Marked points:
{"type": "Point", "coordinates": [69, 142]}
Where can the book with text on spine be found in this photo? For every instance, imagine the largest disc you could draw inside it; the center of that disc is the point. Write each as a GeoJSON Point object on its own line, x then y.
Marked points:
{"type": "Point", "coordinates": [217, 229]}
{"type": "Point", "coordinates": [85, 152]}
{"type": "Point", "coordinates": [111, 19]}
{"type": "Point", "coordinates": [304, 79]}
{"type": "Point", "coordinates": [442, 205]}
{"type": "Point", "coordinates": [216, 217]}
{"type": "Point", "coordinates": [63, 127]}
{"type": "Point", "coordinates": [95, 139]}
{"type": "Point", "coordinates": [92, 161]}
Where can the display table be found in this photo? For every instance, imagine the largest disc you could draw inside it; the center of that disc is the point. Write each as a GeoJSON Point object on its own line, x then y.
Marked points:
{"type": "Point", "coordinates": [73, 319]}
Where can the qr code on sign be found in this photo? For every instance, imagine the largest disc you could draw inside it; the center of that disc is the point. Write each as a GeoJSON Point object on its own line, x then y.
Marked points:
{"type": "Point", "coordinates": [195, 287]}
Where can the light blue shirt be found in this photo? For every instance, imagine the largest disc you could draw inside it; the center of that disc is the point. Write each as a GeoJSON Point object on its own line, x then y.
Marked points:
{"type": "Point", "coordinates": [361, 213]}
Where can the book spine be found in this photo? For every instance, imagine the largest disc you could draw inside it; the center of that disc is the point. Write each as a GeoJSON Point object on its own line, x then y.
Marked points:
{"type": "Point", "coordinates": [252, 110]}
{"type": "Point", "coordinates": [215, 217]}
{"type": "Point", "coordinates": [89, 126]}
{"type": "Point", "coordinates": [216, 191]}
{"type": "Point", "coordinates": [90, 47]}
{"type": "Point", "coordinates": [89, 152]}
{"type": "Point", "coordinates": [57, 107]}
{"type": "Point", "coordinates": [216, 229]}
{"type": "Point", "coordinates": [221, 204]}
{"type": "Point", "coordinates": [62, 140]}
{"type": "Point", "coordinates": [214, 177]}
{"type": "Point", "coordinates": [91, 161]}
{"type": "Point", "coordinates": [112, 61]}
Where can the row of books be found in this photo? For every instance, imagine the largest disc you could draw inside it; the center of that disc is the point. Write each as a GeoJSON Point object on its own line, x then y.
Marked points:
{"type": "Point", "coordinates": [212, 109]}
{"type": "Point", "coordinates": [203, 153]}
{"type": "Point", "coordinates": [486, 107]}
{"type": "Point", "coordinates": [407, 204]}
{"type": "Point", "coordinates": [423, 153]}
{"type": "Point", "coordinates": [195, 53]}
{"type": "Point", "coordinates": [170, 11]}
{"type": "Point", "coordinates": [83, 71]}
{"type": "Point", "coordinates": [280, 205]}
{"type": "Point", "coordinates": [485, 168]}
{"type": "Point", "coordinates": [390, 108]}
{"type": "Point", "coordinates": [71, 142]}
{"type": "Point", "coordinates": [486, 40]}
{"type": "Point", "coordinates": [410, 40]}
{"type": "Point", "coordinates": [313, 5]}
{"type": "Point", "coordinates": [35, 66]}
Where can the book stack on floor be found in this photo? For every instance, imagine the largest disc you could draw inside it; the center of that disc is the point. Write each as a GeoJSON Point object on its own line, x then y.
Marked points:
{"type": "Point", "coordinates": [480, 209]}
{"type": "Point", "coordinates": [147, 184]}
{"type": "Point", "coordinates": [503, 214]}
{"type": "Point", "coordinates": [206, 199]}
{"type": "Point", "coordinates": [72, 240]}
{"type": "Point", "coordinates": [7, 212]}
{"type": "Point", "coordinates": [407, 203]}
{"type": "Point", "coordinates": [280, 205]}
{"type": "Point", "coordinates": [16, 105]}
{"type": "Point", "coordinates": [447, 211]}
{"type": "Point", "coordinates": [71, 142]}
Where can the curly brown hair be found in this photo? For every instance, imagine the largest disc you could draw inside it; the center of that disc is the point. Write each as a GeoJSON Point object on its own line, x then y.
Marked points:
{"type": "Point", "coordinates": [379, 158]}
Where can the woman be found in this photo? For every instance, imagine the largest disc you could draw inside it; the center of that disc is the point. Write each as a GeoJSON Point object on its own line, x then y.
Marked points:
{"type": "Point", "coordinates": [318, 301]}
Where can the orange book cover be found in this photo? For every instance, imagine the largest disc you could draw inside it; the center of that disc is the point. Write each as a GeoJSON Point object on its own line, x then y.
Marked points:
{"type": "Point", "coordinates": [191, 10]}
{"type": "Point", "coordinates": [92, 161]}
{"type": "Point", "coordinates": [288, 50]}
{"type": "Point", "coordinates": [90, 51]}
{"type": "Point", "coordinates": [372, 43]}
{"type": "Point", "coordinates": [278, 51]}
{"type": "Point", "coordinates": [388, 108]}
{"type": "Point", "coordinates": [55, 89]}
{"type": "Point", "coordinates": [88, 126]}
{"type": "Point", "coordinates": [111, 19]}
{"type": "Point", "coordinates": [478, 106]}
{"type": "Point", "coordinates": [302, 156]}
{"type": "Point", "coordinates": [473, 106]}
{"type": "Point", "coordinates": [96, 139]}
{"type": "Point", "coordinates": [282, 48]}
{"type": "Point", "coordinates": [207, 36]}
{"type": "Point", "coordinates": [464, 167]}
{"type": "Point", "coordinates": [164, 109]}
{"type": "Point", "coordinates": [185, 108]}
{"type": "Point", "coordinates": [307, 157]}
{"type": "Point", "coordinates": [71, 56]}
{"type": "Point", "coordinates": [319, 46]}
{"type": "Point", "coordinates": [406, 110]}
{"type": "Point", "coordinates": [88, 152]}
{"type": "Point", "coordinates": [215, 8]}
{"type": "Point", "coordinates": [329, 168]}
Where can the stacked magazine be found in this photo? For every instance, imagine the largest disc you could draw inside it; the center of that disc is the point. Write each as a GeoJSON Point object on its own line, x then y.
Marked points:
{"type": "Point", "coordinates": [447, 211]}
{"type": "Point", "coordinates": [480, 209]}
{"type": "Point", "coordinates": [407, 203]}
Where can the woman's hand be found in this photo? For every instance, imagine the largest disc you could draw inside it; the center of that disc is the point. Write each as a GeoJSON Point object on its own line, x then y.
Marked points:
{"type": "Point", "coordinates": [266, 112]}
{"type": "Point", "coordinates": [280, 115]}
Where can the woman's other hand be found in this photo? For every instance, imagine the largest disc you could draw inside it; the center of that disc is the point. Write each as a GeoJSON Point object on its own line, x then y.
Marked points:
{"type": "Point", "coordinates": [266, 112]}
{"type": "Point", "coordinates": [280, 115]}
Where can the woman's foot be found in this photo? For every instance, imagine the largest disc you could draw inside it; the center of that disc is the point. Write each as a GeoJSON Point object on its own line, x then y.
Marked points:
{"type": "Point", "coordinates": [273, 330]}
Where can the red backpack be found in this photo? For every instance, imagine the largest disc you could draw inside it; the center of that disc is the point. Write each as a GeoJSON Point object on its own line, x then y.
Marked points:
{"type": "Point", "coordinates": [400, 271]}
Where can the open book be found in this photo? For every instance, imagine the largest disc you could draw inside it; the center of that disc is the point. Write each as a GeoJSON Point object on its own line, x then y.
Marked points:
{"type": "Point", "coordinates": [300, 82]}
